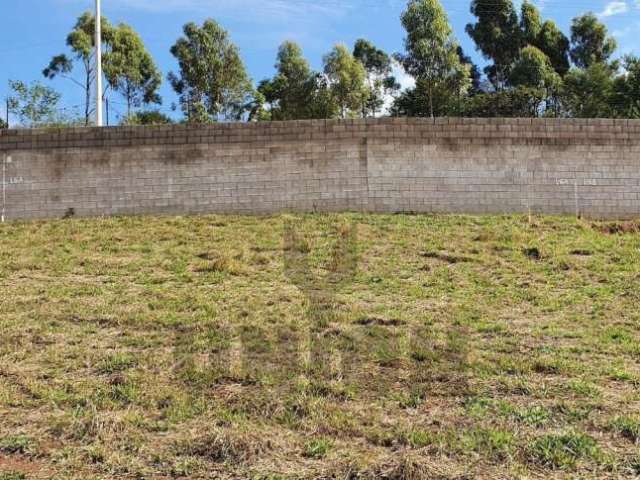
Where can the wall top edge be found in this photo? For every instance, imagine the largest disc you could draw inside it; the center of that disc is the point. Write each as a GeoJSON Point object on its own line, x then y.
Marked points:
{"type": "Point", "coordinates": [103, 132]}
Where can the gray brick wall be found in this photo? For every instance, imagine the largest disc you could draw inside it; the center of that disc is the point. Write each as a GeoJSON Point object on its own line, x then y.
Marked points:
{"type": "Point", "coordinates": [591, 167]}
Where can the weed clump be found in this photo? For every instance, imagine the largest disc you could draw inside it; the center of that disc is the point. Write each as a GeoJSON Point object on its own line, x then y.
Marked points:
{"type": "Point", "coordinates": [563, 451]}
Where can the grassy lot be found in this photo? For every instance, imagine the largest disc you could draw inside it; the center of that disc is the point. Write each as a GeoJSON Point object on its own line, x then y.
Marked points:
{"type": "Point", "coordinates": [413, 347]}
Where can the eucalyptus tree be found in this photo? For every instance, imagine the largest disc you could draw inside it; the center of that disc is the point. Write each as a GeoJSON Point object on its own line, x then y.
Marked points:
{"type": "Point", "coordinates": [590, 42]}
{"type": "Point", "coordinates": [546, 36]}
{"type": "Point", "coordinates": [34, 104]}
{"type": "Point", "coordinates": [431, 52]}
{"type": "Point", "coordinates": [291, 90]}
{"type": "Point", "coordinates": [626, 89]}
{"type": "Point", "coordinates": [212, 80]}
{"type": "Point", "coordinates": [379, 70]}
{"type": "Point", "coordinates": [130, 69]}
{"type": "Point", "coordinates": [588, 92]}
{"type": "Point", "coordinates": [498, 36]}
{"type": "Point", "coordinates": [346, 78]}
{"type": "Point", "coordinates": [81, 43]}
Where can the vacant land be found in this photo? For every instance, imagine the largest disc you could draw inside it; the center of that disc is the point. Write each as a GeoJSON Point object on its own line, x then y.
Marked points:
{"type": "Point", "coordinates": [412, 347]}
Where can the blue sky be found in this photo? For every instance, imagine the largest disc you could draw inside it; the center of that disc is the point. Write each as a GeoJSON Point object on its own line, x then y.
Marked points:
{"type": "Point", "coordinates": [34, 30]}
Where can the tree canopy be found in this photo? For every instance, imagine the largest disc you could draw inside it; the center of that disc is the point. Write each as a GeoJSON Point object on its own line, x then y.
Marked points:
{"type": "Point", "coordinates": [590, 43]}
{"type": "Point", "coordinates": [626, 89]}
{"type": "Point", "coordinates": [289, 93]}
{"type": "Point", "coordinates": [35, 105]}
{"type": "Point", "coordinates": [81, 43]}
{"type": "Point", "coordinates": [130, 69]}
{"type": "Point", "coordinates": [147, 117]}
{"type": "Point", "coordinates": [380, 80]}
{"type": "Point", "coordinates": [212, 80]}
{"type": "Point", "coordinates": [497, 35]}
{"type": "Point", "coordinates": [432, 56]}
{"type": "Point", "coordinates": [532, 69]}
{"type": "Point", "coordinates": [346, 79]}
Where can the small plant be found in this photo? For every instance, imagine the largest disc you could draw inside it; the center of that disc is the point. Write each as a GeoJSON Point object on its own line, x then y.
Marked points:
{"type": "Point", "coordinates": [496, 444]}
{"type": "Point", "coordinates": [117, 362]}
{"type": "Point", "coordinates": [584, 389]}
{"type": "Point", "coordinates": [12, 476]}
{"type": "Point", "coordinates": [419, 438]}
{"type": "Point", "coordinates": [534, 416]}
{"type": "Point", "coordinates": [219, 265]}
{"type": "Point", "coordinates": [411, 400]}
{"type": "Point", "coordinates": [628, 427]}
{"type": "Point", "coordinates": [563, 451]}
{"type": "Point", "coordinates": [18, 444]}
{"type": "Point", "coordinates": [387, 356]}
{"type": "Point", "coordinates": [317, 448]}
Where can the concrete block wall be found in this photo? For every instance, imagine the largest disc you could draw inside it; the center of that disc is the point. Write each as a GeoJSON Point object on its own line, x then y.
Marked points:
{"type": "Point", "coordinates": [588, 167]}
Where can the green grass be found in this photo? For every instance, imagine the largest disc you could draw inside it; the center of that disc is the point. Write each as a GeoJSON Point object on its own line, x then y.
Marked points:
{"type": "Point", "coordinates": [317, 448]}
{"type": "Point", "coordinates": [18, 444]}
{"type": "Point", "coordinates": [628, 427]}
{"type": "Point", "coordinates": [234, 347]}
{"type": "Point", "coordinates": [12, 476]}
{"type": "Point", "coordinates": [563, 451]}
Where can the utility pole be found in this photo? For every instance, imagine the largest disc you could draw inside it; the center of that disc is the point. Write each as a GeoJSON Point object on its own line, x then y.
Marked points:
{"type": "Point", "coordinates": [98, 43]}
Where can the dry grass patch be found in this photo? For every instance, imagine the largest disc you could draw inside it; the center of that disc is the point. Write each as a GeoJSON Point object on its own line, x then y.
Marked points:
{"type": "Point", "coordinates": [212, 347]}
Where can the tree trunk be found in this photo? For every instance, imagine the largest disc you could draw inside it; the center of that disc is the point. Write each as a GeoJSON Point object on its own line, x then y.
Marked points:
{"type": "Point", "coordinates": [128, 101]}
{"type": "Point", "coordinates": [87, 100]}
{"type": "Point", "coordinates": [431, 99]}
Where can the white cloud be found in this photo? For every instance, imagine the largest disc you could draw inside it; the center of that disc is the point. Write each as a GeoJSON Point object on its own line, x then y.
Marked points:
{"type": "Point", "coordinates": [614, 8]}
{"type": "Point", "coordinates": [405, 80]}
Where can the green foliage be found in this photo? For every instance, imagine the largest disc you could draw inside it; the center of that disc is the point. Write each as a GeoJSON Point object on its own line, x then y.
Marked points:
{"type": "Point", "coordinates": [626, 89]}
{"type": "Point", "coordinates": [534, 69]}
{"type": "Point", "coordinates": [148, 117]}
{"type": "Point", "coordinates": [431, 52]}
{"type": "Point", "coordinates": [212, 81]}
{"type": "Point", "coordinates": [419, 101]}
{"type": "Point", "coordinates": [322, 103]}
{"type": "Point", "coordinates": [588, 93]}
{"type": "Point", "coordinates": [12, 476]}
{"type": "Point", "coordinates": [546, 36]}
{"type": "Point", "coordinates": [555, 45]}
{"type": "Point", "coordinates": [291, 91]}
{"type": "Point", "coordinates": [492, 443]}
{"type": "Point", "coordinates": [346, 80]}
{"type": "Point", "coordinates": [3, 124]}
{"type": "Point", "coordinates": [82, 45]}
{"type": "Point", "coordinates": [130, 69]}
{"type": "Point", "coordinates": [380, 80]}
{"type": "Point", "coordinates": [530, 22]}
{"type": "Point", "coordinates": [520, 101]}
{"type": "Point", "coordinates": [590, 42]}
{"type": "Point", "coordinates": [317, 448]}
{"type": "Point", "coordinates": [563, 451]}
{"type": "Point", "coordinates": [474, 72]}
{"type": "Point", "coordinates": [530, 71]}
{"type": "Point", "coordinates": [628, 427]}
{"type": "Point", "coordinates": [497, 35]}
{"type": "Point", "coordinates": [117, 362]}
{"type": "Point", "coordinates": [34, 104]}
{"type": "Point", "coordinates": [18, 444]}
